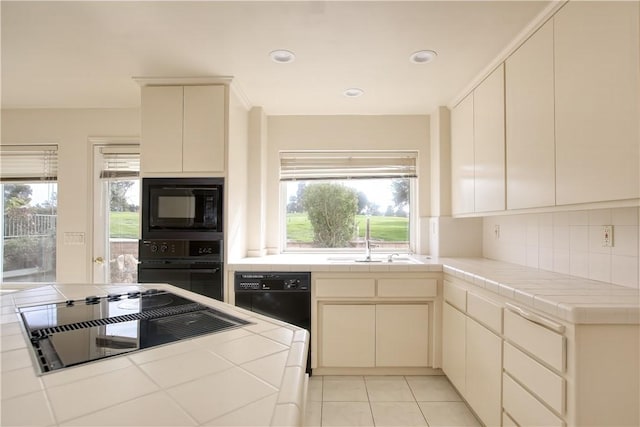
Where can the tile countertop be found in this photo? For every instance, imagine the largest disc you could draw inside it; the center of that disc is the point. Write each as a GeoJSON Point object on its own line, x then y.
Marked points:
{"type": "Point", "coordinates": [570, 298]}
{"type": "Point", "coordinates": [253, 375]}
{"type": "Point", "coordinates": [337, 262]}
{"type": "Point", "coordinates": [574, 299]}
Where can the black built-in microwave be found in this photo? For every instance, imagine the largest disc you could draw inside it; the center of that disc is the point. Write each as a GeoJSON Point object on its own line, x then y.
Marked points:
{"type": "Point", "coordinates": [182, 208]}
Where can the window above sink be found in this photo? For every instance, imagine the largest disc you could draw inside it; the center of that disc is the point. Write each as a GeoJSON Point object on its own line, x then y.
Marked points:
{"type": "Point", "coordinates": [328, 197]}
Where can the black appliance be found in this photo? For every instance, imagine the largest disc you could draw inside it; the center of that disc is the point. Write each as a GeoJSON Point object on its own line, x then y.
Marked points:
{"type": "Point", "coordinates": [284, 296]}
{"type": "Point", "coordinates": [76, 332]}
{"type": "Point", "coordinates": [194, 265]}
{"type": "Point", "coordinates": [182, 208]}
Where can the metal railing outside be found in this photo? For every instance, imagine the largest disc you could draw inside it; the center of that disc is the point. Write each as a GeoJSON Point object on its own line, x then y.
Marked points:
{"type": "Point", "coordinates": [32, 225]}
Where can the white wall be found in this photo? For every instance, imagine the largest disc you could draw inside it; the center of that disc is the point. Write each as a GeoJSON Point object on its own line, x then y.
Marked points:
{"type": "Point", "coordinates": [343, 133]}
{"type": "Point", "coordinates": [71, 129]}
{"type": "Point", "coordinates": [569, 242]}
{"type": "Point", "coordinates": [237, 179]}
{"type": "Point", "coordinates": [257, 192]}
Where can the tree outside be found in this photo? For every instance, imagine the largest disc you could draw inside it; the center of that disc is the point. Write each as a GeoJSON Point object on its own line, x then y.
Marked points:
{"type": "Point", "coordinates": [331, 209]}
{"type": "Point", "coordinates": [29, 234]}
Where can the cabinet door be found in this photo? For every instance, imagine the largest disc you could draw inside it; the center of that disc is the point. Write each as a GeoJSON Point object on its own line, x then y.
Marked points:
{"type": "Point", "coordinates": [161, 115]}
{"type": "Point", "coordinates": [597, 77]}
{"type": "Point", "coordinates": [204, 129]}
{"type": "Point", "coordinates": [530, 132]}
{"type": "Point", "coordinates": [484, 373]}
{"type": "Point", "coordinates": [453, 346]}
{"type": "Point", "coordinates": [488, 136]}
{"type": "Point", "coordinates": [402, 335]}
{"type": "Point", "coordinates": [462, 166]}
{"type": "Point", "coordinates": [347, 336]}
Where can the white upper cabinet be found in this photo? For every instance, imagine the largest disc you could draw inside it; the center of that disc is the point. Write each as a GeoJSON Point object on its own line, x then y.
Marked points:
{"type": "Point", "coordinates": [488, 133]}
{"type": "Point", "coordinates": [477, 148]}
{"type": "Point", "coordinates": [462, 163]}
{"type": "Point", "coordinates": [597, 90]}
{"type": "Point", "coordinates": [183, 129]}
{"type": "Point", "coordinates": [204, 129]}
{"type": "Point", "coordinates": [564, 128]}
{"type": "Point", "coordinates": [161, 148]}
{"type": "Point", "coordinates": [530, 132]}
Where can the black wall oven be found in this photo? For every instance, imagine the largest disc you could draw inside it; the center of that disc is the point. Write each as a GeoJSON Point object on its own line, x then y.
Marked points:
{"type": "Point", "coordinates": [194, 265]}
{"type": "Point", "coordinates": [182, 208]}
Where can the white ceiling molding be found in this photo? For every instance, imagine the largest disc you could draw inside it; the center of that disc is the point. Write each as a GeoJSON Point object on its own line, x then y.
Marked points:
{"type": "Point", "coordinates": [183, 81]}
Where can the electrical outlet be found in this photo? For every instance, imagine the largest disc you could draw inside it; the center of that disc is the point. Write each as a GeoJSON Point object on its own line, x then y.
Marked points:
{"type": "Point", "coordinates": [607, 236]}
{"type": "Point", "coordinates": [496, 231]}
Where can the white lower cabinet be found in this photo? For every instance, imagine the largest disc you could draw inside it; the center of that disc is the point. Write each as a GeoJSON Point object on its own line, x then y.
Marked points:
{"type": "Point", "coordinates": [374, 335]}
{"type": "Point", "coordinates": [542, 382]}
{"type": "Point", "coordinates": [453, 346]}
{"type": "Point", "coordinates": [516, 366]}
{"type": "Point", "coordinates": [348, 335]}
{"type": "Point", "coordinates": [378, 324]}
{"type": "Point", "coordinates": [402, 337]}
{"type": "Point", "coordinates": [524, 408]}
{"type": "Point", "coordinates": [472, 350]}
{"type": "Point", "coordinates": [483, 372]}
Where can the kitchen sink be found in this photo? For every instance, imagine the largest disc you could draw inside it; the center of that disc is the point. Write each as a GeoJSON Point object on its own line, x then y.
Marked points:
{"type": "Point", "coordinates": [374, 260]}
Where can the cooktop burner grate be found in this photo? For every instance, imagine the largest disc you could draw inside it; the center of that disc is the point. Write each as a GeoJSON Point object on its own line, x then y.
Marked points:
{"type": "Point", "coordinates": [145, 315]}
{"type": "Point", "coordinates": [192, 324]}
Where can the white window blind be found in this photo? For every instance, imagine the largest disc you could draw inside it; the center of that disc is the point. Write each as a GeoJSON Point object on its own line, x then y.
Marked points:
{"type": "Point", "coordinates": [305, 165]}
{"type": "Point", "coordinates": [120, 162]}
{"type": "Point", "coordinates": [28, 163]}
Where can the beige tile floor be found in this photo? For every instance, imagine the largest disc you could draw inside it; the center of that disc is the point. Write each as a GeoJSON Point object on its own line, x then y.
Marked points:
{"type": "Point", "coordinates": [385, 401]}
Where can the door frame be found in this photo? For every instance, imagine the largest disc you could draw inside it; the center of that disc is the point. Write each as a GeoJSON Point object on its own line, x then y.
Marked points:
{"type": "Point", "coordinates": [98, 236]}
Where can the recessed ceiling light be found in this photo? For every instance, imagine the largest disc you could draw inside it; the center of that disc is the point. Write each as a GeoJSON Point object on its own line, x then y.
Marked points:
{"type": "Point", "coordinates": [282, 56]}
{"type": "Point", "coordinates": [353, 92]}
{"type": "Point", "coordinates": [422, 56]}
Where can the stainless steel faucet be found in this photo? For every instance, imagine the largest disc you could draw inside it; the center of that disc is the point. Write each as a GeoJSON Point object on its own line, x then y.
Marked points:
{"type": "Point", "coordinates": [367, 241]}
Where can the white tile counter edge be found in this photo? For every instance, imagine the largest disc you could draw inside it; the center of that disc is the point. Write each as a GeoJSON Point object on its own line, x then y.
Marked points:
{"type": "Point", "coordinates": [21, 385]}
{"type": "Point", "coordinates": [570, 298]}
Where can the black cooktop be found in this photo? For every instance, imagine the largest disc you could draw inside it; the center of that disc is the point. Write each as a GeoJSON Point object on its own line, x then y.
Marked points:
{"type": "Point", "coordinates": [79, 331]}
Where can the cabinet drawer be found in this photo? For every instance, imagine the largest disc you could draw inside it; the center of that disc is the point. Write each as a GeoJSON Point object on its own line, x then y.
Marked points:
{"type": "Point", "coordinates": [345, 287]}
{"type": "Point", "coordinates": [544, 383]}
{"type": "Point", "coordinates": [543, 343]}
{"type": "Point", "coordinates": [507, 421]}
{"type": "Point", "coordinates": [455, 295]}
{"type": "Point", "coordinates": [484, 311]}
{"type": "Point", "coordinates": [525, 409]}
{"type": "Point", "coordinates": [407, 287]}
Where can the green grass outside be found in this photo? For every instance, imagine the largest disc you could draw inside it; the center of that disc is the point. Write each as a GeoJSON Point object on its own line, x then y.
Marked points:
{"type": "Point", "coordinates": [385, 228]}
{"type": "Point", "coordinates": [124, 224]}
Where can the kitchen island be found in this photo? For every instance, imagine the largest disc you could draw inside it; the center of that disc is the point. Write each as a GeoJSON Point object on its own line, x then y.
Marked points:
{"type": "Point", "coordinates": [250, 375]}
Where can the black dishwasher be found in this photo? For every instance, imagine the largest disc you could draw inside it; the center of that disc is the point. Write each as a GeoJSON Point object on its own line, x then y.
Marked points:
{"type": "Point", "coordinates": [283, 295]}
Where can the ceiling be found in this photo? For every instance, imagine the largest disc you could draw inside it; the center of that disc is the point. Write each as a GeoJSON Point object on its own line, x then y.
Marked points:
{"type": "Point", "coordinates": [83, 54]}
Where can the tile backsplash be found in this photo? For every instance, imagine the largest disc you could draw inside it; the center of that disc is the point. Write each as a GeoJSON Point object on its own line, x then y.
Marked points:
{"type": "Point", "coordinates": [569, 242]}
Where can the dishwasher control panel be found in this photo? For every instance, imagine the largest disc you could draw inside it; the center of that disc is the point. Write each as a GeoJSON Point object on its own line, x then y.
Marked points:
{"type": "Point", "coordinates": [253, 281]}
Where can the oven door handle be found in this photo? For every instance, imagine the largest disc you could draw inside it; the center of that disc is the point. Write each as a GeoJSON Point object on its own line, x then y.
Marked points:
{"type": "Point", "coordinates": [165, 267]}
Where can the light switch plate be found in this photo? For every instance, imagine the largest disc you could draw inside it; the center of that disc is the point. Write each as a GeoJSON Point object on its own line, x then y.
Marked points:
{"type": "Point", "coordinates": [73, 238]}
